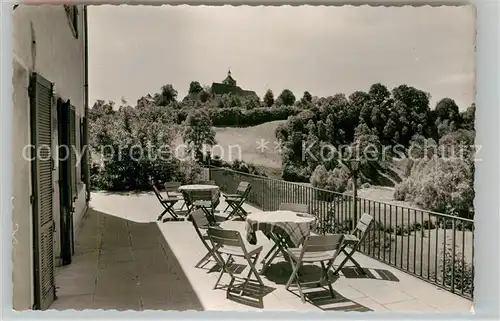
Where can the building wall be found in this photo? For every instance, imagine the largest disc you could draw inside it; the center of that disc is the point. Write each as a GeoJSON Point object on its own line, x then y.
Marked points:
{"type": "Point", "coordinates": [43, 42]}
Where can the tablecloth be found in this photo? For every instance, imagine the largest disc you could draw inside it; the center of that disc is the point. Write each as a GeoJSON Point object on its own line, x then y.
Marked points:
{"type": "Point", "coordinates": [293, 227]}
{"type": "Point", "coordinates": [185, 189]}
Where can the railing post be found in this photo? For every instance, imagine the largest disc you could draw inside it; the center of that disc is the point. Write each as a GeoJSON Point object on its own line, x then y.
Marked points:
{"type": "Point", "coordinates": [354, 199]}
{"type": "Point", "coordinates": [209, 168]}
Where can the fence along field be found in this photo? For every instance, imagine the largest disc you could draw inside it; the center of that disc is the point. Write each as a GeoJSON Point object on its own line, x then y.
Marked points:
{"type": "Point", "coordinates": [410, 239]}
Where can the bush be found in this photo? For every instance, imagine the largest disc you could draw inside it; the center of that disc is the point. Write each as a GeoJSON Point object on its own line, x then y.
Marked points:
{"type": "Point", "coordinates": [461, 273]}
{"type": "Point", "coordinates": [241, 116]}
{"type": "Point", "coordinates": [335, 180]}
{"type": "Point", "coordinates": [139, 145]}
{"type": "Point", "coordinates": [440, 185]}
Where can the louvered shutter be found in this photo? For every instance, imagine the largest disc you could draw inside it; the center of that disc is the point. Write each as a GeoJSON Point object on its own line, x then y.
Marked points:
{"type": "Point", "coordinates": [72, 135]}
{"type": "Point", "coordinates": [42, 189]}
{"type": "Point", "coordinates": [83, 151]}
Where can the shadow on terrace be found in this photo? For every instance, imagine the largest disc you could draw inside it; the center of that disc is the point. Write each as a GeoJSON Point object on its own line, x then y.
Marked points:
{"type": "Point", "coordinates": [124, 265]}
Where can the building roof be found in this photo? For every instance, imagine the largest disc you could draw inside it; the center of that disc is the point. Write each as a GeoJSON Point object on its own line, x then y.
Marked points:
{"type": "Point", "coordinates": [229, 79]}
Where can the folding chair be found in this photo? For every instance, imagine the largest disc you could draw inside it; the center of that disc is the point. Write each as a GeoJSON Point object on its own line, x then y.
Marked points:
{"type": "Point", "coordinates": [200, 222]}
{"type": "Point", "coordinates": [352, 240]}
{"type": "Point", "coordinates": [316, 248]}
{"type": "Point", "coordinates": [172, 190]}
{"type": "Point", "coordinates": [167, 203]}
{"type": "Point", "coordinates": [294, 207]}
{"type": "Point", "coordinates": [231, 243]}
{"type": "Point", "coordinates": [203, 200]}
{"type": "Point", "coordinates": [211, 182]}
{"type": "Point", "coordinates": [236, 201]}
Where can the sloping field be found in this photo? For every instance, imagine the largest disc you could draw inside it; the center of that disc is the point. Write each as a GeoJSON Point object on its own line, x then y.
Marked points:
{"type": "Point", "coordinates": [255, 145]}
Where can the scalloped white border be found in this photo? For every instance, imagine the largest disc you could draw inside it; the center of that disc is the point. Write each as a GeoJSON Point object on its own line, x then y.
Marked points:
{"type": "Point", "coordinates": [487, 261]}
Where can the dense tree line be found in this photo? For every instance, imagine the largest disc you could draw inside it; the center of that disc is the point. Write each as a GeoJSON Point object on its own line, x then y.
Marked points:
{"type": "Point", "coordinates": [377, 127]}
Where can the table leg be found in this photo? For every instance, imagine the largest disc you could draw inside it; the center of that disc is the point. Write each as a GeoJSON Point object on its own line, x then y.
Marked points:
{"type": "Point", "coordinates": [279, 246]}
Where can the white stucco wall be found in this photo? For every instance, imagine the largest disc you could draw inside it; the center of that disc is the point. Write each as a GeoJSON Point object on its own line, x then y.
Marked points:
{"type": "Point", "coordinates": [43, 42]}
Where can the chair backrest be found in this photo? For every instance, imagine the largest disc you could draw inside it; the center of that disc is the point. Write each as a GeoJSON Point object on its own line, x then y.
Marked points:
{"type": "Point", "coordinates": [157, 193]}
{"type": "Point", "coordinates": [223, 237]}
{"type": "Point", "coordinates": [363, 224]}
{"type": "Point", "coordinates": [323, 243]}
{"type": "Point", "coordinates": [200, 195]}
{"type": "Point", "coordinates": [199, 219]}
{"type": "Point", "coordinates": [243, 188]}
{"type": "Point", "coordinates": [172, 186]}
{"type": "Point", "coordinates": [211, 182]}
{"type": "Point", "coordinates": [294, 207]}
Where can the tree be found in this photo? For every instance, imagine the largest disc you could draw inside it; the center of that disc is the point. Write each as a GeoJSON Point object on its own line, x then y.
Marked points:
{"type": "Point", "coordinates": [307, 97]}
{"type": "Point", "coordinates": [204, 96]}
{"type": "Point", "coordinates": [167, 95]}
{"type": "Point", "coordinates": [198, 132]}
{"type": "Point", "coordinates": [195, 87]}
{"type": "Point", "coordinates": [446, 108]}
{"type": "Point", "coordinates": [269, 98]}
{"type": "Point", "coordinates": [379, 93]}
{"type": "Point", "coordinates": [468, 117]}
{"type": "Point", "coordinates": [287, 98]}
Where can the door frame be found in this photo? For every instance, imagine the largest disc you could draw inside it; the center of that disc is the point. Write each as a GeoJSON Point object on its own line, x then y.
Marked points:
{"type": "Point", "coordinates": [65, 192]}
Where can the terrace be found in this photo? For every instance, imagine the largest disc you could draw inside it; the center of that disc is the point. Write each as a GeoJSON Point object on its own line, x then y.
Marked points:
{"type": "Point", "coordinates": [125, 259]}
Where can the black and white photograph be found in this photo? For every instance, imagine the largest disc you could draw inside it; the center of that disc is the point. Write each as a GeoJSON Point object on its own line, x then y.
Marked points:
{"type": "Point", "coordinates": [244, 158]}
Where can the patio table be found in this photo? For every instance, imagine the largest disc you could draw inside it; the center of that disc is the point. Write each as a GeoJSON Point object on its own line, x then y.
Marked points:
{"type": "Point", "coordinates": [186, 189]}
{"type": "Point", "coordinates": [285, 228]}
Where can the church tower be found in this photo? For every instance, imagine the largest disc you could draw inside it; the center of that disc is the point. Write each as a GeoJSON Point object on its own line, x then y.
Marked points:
{"type": "Point", "coordinates": [229, 80]}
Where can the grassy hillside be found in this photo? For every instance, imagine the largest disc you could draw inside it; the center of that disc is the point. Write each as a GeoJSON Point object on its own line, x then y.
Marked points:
{"type": "Point", "coordinates": [242, 143]}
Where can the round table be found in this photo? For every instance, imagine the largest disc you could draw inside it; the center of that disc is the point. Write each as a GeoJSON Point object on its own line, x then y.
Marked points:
{"type": "Point", "coordinates": [285, 228]}
{"type": "Point", "coordinates": [186, 189]}
{"type": "Point", "coordinates": [293, 227]}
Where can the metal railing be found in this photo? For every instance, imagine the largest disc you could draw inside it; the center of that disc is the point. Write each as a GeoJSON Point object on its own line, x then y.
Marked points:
{"type": "Point", "coordinates": [434, 247]}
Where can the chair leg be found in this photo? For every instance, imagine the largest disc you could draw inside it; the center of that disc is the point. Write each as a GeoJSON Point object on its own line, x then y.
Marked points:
{"type": "Point", "coordinates": [254, 270]}
{"type": "Point", "coordinates": [295, 276]}
{"type": "Point", "coordinates": [209, 254]}
{"type": "Point", "coordinates": [232, 213]}
{"type": "Point", "coordinates": [171, 211]}
{"type": "Point", "coordinates": [325, 275]}
{"type": "Point", "coordinates": [348, 257]}
{"type": "Point", "coordinates": [223, 265]}
{"type": "Point", "coordinates": [162, 214]}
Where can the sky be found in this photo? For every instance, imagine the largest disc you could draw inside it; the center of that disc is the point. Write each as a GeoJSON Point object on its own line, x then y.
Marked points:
{"type": "Point", "coordinates": [134, 50]}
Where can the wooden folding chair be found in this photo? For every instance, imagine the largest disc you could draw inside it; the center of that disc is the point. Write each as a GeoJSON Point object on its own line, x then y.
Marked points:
{"type": "Point", "coordinates": [316, 248]}
{"type": "Point", "coordinates": [230, 243]}
{"type": "Point", "coordinates": [172, 190]}
{"type": "Point", "coordinates": [295, 207]}
{"type": "Point", "coordinates": [210, 182]}
{"type": "Point", "coordinates": [167, 203]}
{"type": "Point", "coordinates": [236, 201]}
{"type": "Point", "coordinates": [240, 190]}
{"type": "Point", "coordinates": [203, 200]}
{"type": "Point", "coordinates": [354, 240]}
{"type": "Point", "coordinates": [201, 223]}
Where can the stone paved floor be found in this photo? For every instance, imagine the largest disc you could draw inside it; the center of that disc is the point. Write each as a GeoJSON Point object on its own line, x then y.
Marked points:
{"type": "Point", "coordinates": [125, 260]}
{"type": "Point", "coordinates": [121, 264]}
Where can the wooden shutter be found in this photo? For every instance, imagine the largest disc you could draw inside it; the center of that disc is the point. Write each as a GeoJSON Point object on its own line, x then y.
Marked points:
{"type": "Point", "coordinates": [65, 194]}
{"type": "Point", "coordinates": [42, 189]}
{"type": "Point", "coordinates": [72, 137]}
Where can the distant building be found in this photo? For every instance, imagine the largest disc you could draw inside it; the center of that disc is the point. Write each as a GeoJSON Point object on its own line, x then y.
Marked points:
{"type": "Point", "coordinates": [229, 85]}
{"type": "Point", "coordinates": [147, 100]}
